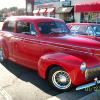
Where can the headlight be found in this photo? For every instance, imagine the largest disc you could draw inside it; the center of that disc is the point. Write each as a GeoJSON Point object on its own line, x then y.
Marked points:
{"type": "Point", "coordinates": [83, 66]}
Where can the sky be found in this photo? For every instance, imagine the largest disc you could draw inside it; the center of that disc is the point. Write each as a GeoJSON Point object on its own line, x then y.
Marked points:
{"type": "Point", "coordinates": [12, 3]}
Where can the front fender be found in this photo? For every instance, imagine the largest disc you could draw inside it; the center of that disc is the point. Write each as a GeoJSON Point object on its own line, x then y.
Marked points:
{"type": "Point", "coordinates": [69, 63]}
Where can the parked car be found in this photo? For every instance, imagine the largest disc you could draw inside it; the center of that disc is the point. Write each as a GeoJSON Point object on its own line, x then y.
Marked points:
{"type": "Point", "coordinates": [91, 29]}
{"type": "Point", "coordinates": [44, 44]}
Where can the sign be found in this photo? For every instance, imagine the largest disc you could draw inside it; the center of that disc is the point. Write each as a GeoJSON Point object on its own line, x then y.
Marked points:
{"type": "Point", "coordinates": [66, 4]}
{"type": "Point", "coordinates": [29, 7]}
{"type": "Point", "coordinates": [53, 5]}
{"type": "Point", "coordinates": [36, 2]}
{"type": "Point", "coordinates": [48, 5]}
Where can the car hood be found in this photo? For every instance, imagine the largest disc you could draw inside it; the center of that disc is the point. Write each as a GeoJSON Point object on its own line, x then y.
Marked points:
{"type": "Point", "coordinates": [76, 42]}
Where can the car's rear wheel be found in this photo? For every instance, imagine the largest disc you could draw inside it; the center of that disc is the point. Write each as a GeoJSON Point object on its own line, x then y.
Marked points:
{"type": "Point", "coordinates": [2, 58]}
{"type": "Point", "coordinates": [59, 79]}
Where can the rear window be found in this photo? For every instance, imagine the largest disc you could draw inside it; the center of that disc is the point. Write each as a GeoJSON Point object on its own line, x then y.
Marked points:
{"type": "Point", "coordinates": [9, 26]}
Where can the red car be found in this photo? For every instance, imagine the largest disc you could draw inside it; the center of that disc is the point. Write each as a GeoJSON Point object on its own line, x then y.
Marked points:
{"type": "Point", "coordinates": [44, 44]}
{"type": "Point", "coordinates": [90, 29]}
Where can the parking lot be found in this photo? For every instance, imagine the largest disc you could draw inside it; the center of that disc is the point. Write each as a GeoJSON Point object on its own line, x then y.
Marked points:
{"type": "Point", "coordinates": [21, 83]}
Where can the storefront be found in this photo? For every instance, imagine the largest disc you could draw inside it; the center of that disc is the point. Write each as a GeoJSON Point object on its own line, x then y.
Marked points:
{"type": "Point", "coordinates": [62, 10]}
{"type": "Point", "coordinates": [88, 12]}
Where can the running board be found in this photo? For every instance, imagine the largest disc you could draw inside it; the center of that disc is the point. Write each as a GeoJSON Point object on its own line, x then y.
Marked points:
{"type": "Point", "coordinates": [88, 85]}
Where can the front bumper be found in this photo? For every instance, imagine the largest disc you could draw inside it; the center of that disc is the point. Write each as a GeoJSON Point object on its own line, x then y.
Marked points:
{"type": "Point", "coordinates": [88, 85]}
{"type": "Point", "coordinates": [92, 73]}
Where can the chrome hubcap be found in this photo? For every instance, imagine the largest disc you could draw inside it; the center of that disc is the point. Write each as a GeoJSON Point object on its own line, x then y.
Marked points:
{"type": "Point", "coordinates": [61, 79]}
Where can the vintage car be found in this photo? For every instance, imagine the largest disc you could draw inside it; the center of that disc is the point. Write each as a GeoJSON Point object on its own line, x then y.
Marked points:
{"type": "Point", "coordinates": [90, 29]}
{"type": "Point", "coordinates": [45, 44]}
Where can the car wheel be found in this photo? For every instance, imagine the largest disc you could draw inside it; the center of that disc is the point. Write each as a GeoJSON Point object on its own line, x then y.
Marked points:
{"type": "Point", "coordinates": [2, 58]}
{"type": "Point", "coordinates": [59, 79]}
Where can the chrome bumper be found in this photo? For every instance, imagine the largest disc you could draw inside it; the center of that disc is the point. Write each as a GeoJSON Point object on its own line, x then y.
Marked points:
{"type": "Point", "coordinates": [88, 85]}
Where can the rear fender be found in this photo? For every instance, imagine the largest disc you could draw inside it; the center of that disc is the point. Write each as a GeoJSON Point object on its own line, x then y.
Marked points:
{"type": "Point", "coordinates": [1, 39]}
{"type": "Point", "coordinates": [4, 47]}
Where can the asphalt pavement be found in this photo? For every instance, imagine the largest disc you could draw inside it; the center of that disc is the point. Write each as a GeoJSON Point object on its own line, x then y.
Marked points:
{"type": "Point", "coordinates": [24, 84]}
{"type": "Point", "coordinates": [20, 83]}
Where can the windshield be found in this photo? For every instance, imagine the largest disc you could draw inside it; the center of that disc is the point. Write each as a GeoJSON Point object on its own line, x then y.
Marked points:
{"type": "Point", "coordinates": [53, 27]}
{"type": "Point", "coordinates": [96, 29]}
{"type": "Point", "coordinates": [78, 28]}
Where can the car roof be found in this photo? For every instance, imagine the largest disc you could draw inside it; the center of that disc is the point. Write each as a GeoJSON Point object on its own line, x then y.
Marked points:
{"type": "Point", "coordinates": [14, 18]}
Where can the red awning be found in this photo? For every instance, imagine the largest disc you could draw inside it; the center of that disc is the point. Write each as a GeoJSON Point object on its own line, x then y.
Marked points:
{"type": "Point", "coordinates": [50, 10]}
{"type": "Point", "coordinates": [87, 7]}
{"type": "Point", "coordinates": [42, 11]}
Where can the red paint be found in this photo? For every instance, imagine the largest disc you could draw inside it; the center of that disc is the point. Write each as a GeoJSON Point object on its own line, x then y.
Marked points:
{"type": "Point", "coordinates": [41, 51]}
{"type": "Point", "coordinates": [88, 7]}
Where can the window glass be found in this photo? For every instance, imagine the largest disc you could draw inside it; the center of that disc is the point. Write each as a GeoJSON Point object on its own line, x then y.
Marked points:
{"type": "Point", "coordinates": [75, 28]}
{"type": "Point", "coordinates": [25, 27]}
{"type": "Point", "coordinates": [89, 30]}
{"type": "Point", "coordinates": [22, 27]}
{"type": "Point", "coordinates": [53, 27]}
{"type": "Point", "coordinates": [82, 28]}
{"type": "Point", "coordinates": [9, 26]}
{"type": "Point", "coordinates": [79, 28]}
{"type": "Point", "coordinates": [96, 29]}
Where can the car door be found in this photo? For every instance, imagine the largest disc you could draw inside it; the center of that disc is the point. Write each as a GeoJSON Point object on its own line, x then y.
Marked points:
{"type": "Point", "coordinates": [26, 48]}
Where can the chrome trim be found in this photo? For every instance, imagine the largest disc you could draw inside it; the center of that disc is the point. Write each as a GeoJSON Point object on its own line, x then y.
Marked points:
{"type": "Point", "coordinates": [56, 45]}
{"type": "Point", "coordinates": [60, 44]}
{"type": "Point", "coordinates": [88, 85]}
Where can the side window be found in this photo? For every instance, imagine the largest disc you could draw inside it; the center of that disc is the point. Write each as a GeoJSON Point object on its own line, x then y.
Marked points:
{"type": "Point", "coordinates": [25, 27]}
{"type": "Point", "coordinates": [22, 27]}
{"type": "Point", "coordinates": [9, 26]}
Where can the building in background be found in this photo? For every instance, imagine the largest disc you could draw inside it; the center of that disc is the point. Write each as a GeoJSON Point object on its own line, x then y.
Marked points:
{"type": "Point", "coordinates": [68, 10]}
{"type": "Point", "coordinates": [87, 10]}
{"type": "Point", "coordinates": [54, 8]}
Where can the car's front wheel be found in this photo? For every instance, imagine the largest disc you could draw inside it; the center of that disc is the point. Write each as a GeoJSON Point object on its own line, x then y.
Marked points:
{"type": "Point", "coordinates": [59, 79]}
